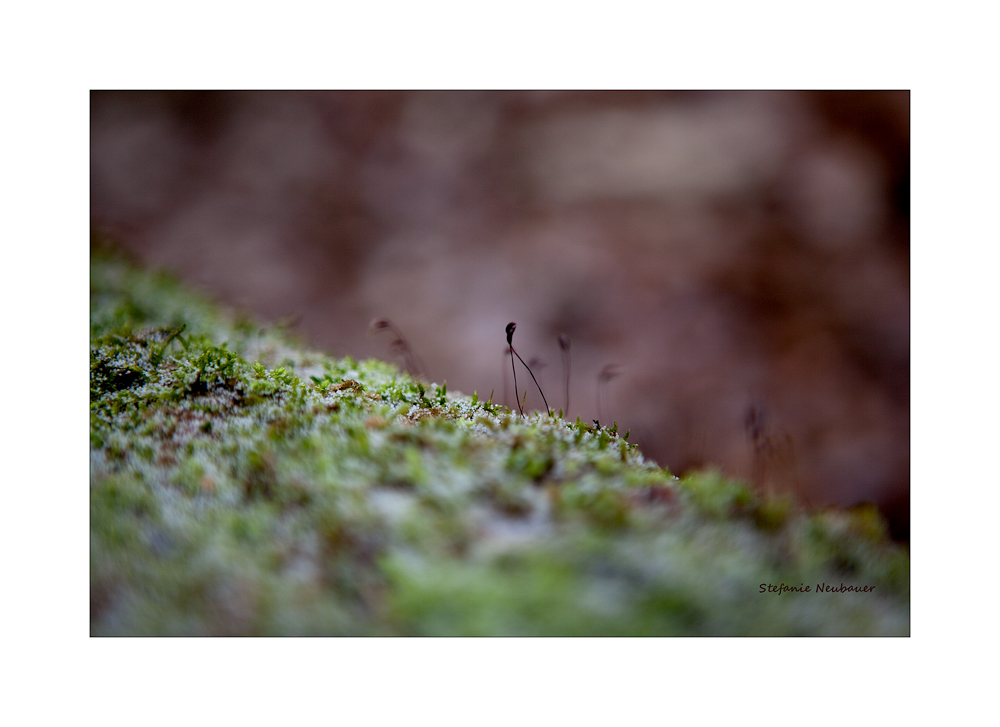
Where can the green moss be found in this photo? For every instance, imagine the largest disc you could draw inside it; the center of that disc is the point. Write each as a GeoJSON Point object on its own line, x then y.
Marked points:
{"type": "Point", "coordinates": [716, 496]}
{"type": "Point", "coordinates": [242, 484]}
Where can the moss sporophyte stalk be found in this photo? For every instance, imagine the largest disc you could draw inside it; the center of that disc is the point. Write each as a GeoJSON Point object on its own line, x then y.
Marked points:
{"type": "Point", "coordinates": [242, 484]}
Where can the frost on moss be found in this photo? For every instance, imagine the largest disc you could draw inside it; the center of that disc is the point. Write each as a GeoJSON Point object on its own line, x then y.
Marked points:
{"type": "Point", "coordinates": [241, 484]}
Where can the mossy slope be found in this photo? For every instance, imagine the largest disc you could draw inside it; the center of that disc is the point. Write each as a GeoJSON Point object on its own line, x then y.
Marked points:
{"type": "Point", "coordinates": [243, 485]}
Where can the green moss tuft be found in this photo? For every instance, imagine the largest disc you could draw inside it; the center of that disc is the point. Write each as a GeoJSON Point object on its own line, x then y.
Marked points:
{"type": "Point", "coordinates": [241, 484]}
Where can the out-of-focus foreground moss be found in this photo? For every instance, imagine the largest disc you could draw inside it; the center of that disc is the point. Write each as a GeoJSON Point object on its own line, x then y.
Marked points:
{"type": "Point", "coordinates": [240, 484]}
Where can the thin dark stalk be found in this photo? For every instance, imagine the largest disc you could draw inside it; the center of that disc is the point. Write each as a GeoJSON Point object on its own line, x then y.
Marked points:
{"type": "Point", "coordinates": [503, 373]}
{"type": "Point", "coordinates": [564, 347]}
{"type": "Point", "coordinates": [754, 425]}
{"type": "Point", "coordinates": [510, 336]}
{"type": "Point", "coordinates": [515, 381]}
{"type": "Point", "coordinates": [773, 465]}
{"type": "Point", "coordinates": [547, 409]}
{"type": "Point", "coordinates": [607, 373]}
{"type": "Point", "coordinates": [537, 364]}
{"type": "Point", "coordinates": [399, 346]}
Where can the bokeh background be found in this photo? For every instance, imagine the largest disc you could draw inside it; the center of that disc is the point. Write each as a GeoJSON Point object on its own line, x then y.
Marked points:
{"type": "Point", "coordinates": [736, 264]}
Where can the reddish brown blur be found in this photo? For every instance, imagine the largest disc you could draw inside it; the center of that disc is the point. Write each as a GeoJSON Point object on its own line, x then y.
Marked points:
{"type": "Point", "coordinates": [741, 258]}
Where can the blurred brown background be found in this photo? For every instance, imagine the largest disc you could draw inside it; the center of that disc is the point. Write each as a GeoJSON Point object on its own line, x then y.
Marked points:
{"type": "Point", "coordinates": [742, 258]}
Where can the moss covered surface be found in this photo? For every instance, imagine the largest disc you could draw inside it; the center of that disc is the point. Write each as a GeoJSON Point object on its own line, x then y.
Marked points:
{"type": "Point", "coordinates": [243, 485]}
